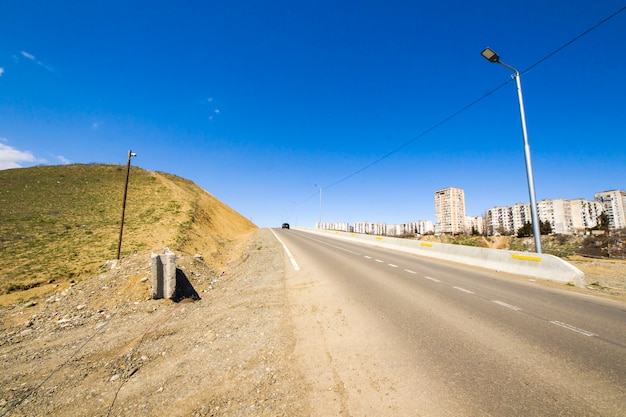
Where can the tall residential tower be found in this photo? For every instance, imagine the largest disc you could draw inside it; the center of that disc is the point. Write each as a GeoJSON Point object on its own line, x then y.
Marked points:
{"type": "Point", "coordinates": [450, 211]}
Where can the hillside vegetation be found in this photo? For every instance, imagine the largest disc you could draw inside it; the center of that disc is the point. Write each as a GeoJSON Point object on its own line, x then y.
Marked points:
{"type": "Point", "coordinates": [61, 223]}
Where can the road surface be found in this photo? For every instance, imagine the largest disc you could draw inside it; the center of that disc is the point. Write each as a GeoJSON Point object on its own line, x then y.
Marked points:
{"type": "Point", "coordinates": [383, 333]}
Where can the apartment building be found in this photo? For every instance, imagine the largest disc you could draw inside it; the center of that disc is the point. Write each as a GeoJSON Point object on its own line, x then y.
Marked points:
{"type": "Point", "coordinates": [474, 224]}
{"type": "Point", "coordinates": [449, 211]}
{"type": "Point", "coordinates": [341, 226]}
{"type": "Point", "coordinates": [613, 204]}
{"type": "Point", "coordinates": [558, 213]}
{"type": "Point", "coordinates": [585, 214]}
{"type": "Point", "coordinates": [379, 229]}
{"type": "Point", "coordinates": [565, 216]}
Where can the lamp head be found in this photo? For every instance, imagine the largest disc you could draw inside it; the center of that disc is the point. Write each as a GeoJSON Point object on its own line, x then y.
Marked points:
{"type": "Point", "coordinates": [490, 55]}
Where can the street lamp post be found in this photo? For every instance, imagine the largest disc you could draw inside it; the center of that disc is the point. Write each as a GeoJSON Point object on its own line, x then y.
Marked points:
{"type": "Point", "coordinates": [119, 244]}
{"type": "Point", "coordinates": [491, 56]}
{"type": "Point", "coordinates": [320, 187]}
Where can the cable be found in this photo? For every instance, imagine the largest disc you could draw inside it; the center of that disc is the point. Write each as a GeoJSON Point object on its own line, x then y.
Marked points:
{"type": "Point", "coordinates": [468, 106]}
{"type": "Point", "coordinates": [559, 49]}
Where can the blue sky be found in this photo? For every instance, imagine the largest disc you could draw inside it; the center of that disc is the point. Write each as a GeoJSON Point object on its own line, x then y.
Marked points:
{"type": "Point", "coordinates": [258, 101]}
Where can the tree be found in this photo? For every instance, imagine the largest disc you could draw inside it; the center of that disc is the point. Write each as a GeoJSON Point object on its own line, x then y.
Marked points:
{"type": "Point", "coordinates": [603, 222]}
{"type": "Point", "coordinates": [545, 228]}
{"type": "Point", "coordinates": [526, 230]}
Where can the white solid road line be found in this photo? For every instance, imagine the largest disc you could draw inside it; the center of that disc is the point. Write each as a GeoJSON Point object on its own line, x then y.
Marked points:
{"type": "Point", "coordinates": [291, 258]}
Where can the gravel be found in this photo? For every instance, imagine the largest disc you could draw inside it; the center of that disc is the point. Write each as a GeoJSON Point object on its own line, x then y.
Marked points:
{"type": "Point", "coordinates": [105, 347]}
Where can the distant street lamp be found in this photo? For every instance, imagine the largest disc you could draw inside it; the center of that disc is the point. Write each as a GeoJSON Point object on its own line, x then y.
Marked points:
{"type": "Point", "coordinates": [119, 245]}
{"type": "Point", "coordinates": [320, 187]}
{"type": "Point", "coordinates": [295, 205]}
{"type": "Point", "coordinates": [491, 56]}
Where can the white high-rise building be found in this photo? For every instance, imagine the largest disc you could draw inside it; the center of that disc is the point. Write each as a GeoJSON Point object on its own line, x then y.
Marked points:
{"type": "Point", "coordinates": [613, 204]}
{"type": "Point", "coordinates": [558, 212]}
{"type": "Point", "coordinates": [565, 216]}
{"type": "Point", "coordinates": [450, 211]}
{"type": "Point", "coordinates": [474, 224]}
{"type": "Point", "coordinates": [585, 214]}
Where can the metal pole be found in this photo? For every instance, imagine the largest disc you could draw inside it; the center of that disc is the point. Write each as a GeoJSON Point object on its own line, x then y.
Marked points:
{"type": "Point", "coordinates": [529, 166]}
{"type": "Point", "coordinates": [320, 206]}
{"type": "Point", "coordinates": [320, 220]}
{"type": "Point", "coordinates": [119, 245]}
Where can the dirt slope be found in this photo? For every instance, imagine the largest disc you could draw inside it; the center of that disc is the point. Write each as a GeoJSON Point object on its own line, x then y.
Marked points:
{"type": "Point", "coordinates": [61, 223]}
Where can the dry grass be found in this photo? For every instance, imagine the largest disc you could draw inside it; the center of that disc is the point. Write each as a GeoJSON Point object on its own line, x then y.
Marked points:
{"type": "Point", "coordinates": [61, 223]}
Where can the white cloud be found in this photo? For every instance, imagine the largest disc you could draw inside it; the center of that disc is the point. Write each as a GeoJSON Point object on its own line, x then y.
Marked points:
{"type": "Point", "coordinates": [217, 111]}
{"type": "Point", "coordinates": [12, 158]}
{"type": "Point", "coordinates": [29, 56]}
{"type": "Point", "coordinates": [1, 71]}
{"type": "Point", "coordinates": [63, 160]}
{"type": "Point", "coordinates": [32, 58]}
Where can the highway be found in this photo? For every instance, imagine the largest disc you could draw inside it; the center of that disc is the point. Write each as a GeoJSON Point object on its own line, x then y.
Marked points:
{"type": "Point", "coordinates": [384, 333]}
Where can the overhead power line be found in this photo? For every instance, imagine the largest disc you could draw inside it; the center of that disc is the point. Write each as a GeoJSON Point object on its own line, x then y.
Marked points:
{"type": "Point", "coordinates": [468, 106]}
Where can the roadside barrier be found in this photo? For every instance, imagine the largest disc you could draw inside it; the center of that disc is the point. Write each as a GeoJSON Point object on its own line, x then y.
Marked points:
{"type": "Point", "coordinates": [535, 265]}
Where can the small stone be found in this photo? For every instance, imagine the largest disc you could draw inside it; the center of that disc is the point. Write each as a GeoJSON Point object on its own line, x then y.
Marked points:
{"type": "Point", "coordinates": [114, 378]}
{"type": "Point", "coordinates": [80, 307]}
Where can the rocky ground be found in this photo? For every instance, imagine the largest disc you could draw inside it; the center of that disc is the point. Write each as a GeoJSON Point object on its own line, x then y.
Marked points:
{"type": "Point", "coordinates": [104, 347]}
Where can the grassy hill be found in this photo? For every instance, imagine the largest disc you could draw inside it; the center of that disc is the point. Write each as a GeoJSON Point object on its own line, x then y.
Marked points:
{"type": "Point", "coordinates": [61, 223]}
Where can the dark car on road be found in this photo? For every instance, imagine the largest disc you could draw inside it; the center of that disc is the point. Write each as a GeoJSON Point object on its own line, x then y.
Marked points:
{"type": "Point", "coordinates": [285, 226]}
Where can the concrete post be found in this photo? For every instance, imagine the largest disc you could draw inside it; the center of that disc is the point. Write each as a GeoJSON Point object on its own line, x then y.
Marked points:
{"type": "Point", "coordinates": [163, 274]}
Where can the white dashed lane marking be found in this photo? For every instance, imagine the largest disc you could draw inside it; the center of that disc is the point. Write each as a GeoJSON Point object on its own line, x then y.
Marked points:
{"type": "Point", "coordinates": [432, 279]}
{"type": "Point", "coordinates": [510, 306]}
{"type": "Point", "coordinates": [464, 290]}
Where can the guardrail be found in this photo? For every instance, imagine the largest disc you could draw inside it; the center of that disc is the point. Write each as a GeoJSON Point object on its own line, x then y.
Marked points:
{"type": "Point", "coordinates": [535, 265]}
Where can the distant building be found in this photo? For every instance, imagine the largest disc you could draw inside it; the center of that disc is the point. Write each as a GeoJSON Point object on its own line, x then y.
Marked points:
{"type": "Point", "coordinates": [474, 224]}
{"type": "Point", "coordinates": [378, 229]}
{"type": "Point", "coordinates": [340, 226]}
{"type": "Point", "coordinates": [613, 204]}
{"type": "Point", "coordinates": [585, 214]}
{"type": "Point", "coordinates": [565, 216]}
{"type": "Point", "coordinates": [449, 211]}
{"type": "Point", "coordinates": [558, 213]}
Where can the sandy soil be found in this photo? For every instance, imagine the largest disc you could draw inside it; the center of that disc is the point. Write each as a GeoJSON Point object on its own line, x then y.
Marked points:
{"type": "Point", "coordinates": [103, 347]}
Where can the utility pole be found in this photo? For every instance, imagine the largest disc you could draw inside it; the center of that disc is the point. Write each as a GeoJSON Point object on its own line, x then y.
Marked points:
{"type": "Point", "coordinates": [119, 245]}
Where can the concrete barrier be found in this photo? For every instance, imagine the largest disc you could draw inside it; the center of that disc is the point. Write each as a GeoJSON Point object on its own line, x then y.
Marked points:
{"type": "Point", "coordinates": [163, 274]}
{"type": "Point", "coordinates": [535, 265]}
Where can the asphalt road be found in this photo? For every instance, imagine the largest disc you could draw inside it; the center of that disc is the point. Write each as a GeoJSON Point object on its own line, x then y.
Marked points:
{"type": "Point", "coordinates": [384, 333]}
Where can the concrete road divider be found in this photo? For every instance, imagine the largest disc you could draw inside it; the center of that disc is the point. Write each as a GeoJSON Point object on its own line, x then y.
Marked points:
{"type": "Point", "coordinates": [535, 265]}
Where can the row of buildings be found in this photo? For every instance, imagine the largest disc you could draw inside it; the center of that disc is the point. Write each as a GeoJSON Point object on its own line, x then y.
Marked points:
{"type": "Point", "coordinates": [565, 216]}
{"type": "Point", "coordinates": [420, 227]}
